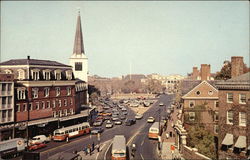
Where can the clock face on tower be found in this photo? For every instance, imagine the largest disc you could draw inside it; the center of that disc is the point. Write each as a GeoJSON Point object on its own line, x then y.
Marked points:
{"type": "Point", "coordinates": [78, 66]}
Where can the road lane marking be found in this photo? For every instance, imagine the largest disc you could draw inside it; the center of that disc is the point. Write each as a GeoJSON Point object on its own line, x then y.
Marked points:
{"type": "Point", "coordinates": [107, 151]}
{"type": "Point", "coordinates": [99, 151]}
{"type": "Point", "coordinates": [141, 156]}
{"type": "Point", "coordinates": [142, 142]}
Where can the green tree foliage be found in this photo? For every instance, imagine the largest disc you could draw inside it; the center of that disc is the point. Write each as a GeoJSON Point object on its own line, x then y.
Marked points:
{"type": "Point", "coordinates": [154, 86]}
{"type": "Point", "coordinates": [93, 92]}
{"type": "Point", "coordinates": [203, 140]}
{"type": "Point", "coordinates": [225, 72]}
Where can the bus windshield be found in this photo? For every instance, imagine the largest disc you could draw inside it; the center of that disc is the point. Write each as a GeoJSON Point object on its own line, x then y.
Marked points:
{"type": "Point", "coordinates": [119, 154]}
{"type": "Point", "coordinates": [154, 130]}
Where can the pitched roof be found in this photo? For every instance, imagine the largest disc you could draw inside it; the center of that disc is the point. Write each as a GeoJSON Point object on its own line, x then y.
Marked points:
{"type": "Point", "coordinates": [199, 85]}
{"type": "Point", "coordinates": [33, 62]}
{"type": "Point", "coordinates": [78, 45]}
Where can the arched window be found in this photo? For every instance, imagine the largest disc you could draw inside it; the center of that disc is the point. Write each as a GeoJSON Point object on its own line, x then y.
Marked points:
{"type": "Point", "coordinates": [7, 71]}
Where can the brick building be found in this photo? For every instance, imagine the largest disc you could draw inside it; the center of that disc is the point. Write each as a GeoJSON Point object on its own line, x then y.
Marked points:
{"type": "Point", "coordinates": [234, 114]}
{"type": "Point", "coordinates": [200, 106]}
{"type": "Point", "coordinates": [6, 105]}
{"type": "Point", "coordinates": [203, 74]}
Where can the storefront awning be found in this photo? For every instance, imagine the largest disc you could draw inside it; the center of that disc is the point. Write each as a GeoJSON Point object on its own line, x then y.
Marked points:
{"type": "Point", "coordinates": [228, 140]}
{"type": "Point", "coordinates": [241, 142]}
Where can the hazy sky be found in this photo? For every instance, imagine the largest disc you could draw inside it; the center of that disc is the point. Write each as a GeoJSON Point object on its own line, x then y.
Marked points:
{"type": "Point", "coordinates": [164, 37]}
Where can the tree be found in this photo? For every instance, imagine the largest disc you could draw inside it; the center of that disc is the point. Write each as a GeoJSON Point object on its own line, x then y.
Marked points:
{"type": "Point", "coordinates": [203, 140]}
{"type": "Point", "coordinates": [154, 86]}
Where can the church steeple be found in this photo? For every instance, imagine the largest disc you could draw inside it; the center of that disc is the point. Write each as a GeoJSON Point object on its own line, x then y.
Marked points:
{"type": "Point", "coordinates": [78, 45]}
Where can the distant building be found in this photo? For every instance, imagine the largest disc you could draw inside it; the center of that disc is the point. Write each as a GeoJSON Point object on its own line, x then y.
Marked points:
{"type": "Point", "coordinates": [203, 74]}
{"type": "Point", "coordinates": [78, 59]}
{"type": "Point", "coordinates": [172, 82]}
{"type": "Point", "coordinates": [234, 114]}
{"type": "Point", "coordinates": [6, 105]}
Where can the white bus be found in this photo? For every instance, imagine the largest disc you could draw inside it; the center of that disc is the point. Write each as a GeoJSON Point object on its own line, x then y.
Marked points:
{"type": "Point", "coordinates": [119, 148]}
{"type": "Point", "coordinates": [62, 134]}
{"type": "Point", "coordinates": [154, 131]}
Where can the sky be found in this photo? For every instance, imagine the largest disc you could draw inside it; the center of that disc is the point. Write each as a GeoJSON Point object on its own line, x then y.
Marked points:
{"type": "Point", "coordinates": [138, 37]}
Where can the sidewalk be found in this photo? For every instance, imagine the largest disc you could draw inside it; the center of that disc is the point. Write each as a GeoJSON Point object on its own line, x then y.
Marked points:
{"type": "Point", "coordinates": [95, 154]}
{"type": "Point", "coordinates": [168, 139]}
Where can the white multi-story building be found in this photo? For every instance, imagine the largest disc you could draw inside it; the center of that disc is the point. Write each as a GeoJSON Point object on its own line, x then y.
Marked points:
{"type": "Point", "coordinates": [172, 82]}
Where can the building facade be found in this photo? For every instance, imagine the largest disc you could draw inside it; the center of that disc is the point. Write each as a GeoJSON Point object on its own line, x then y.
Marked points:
{"type": "Point", "coordinates": [200, 106]}
{"type": "Point", "coordinates": [6, 105]}
{"type": "Point", "coordinates": [234, 117]}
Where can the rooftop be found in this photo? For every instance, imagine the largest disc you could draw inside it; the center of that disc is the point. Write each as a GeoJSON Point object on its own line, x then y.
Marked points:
{"type": "Point", "coordinates": [33, 62]}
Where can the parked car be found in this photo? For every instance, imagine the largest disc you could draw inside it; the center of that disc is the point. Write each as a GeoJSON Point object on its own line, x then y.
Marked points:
{"type": "Point", "coordinates": [130, 122]}
{"type": "Point", "coordinates": [124, 112]}
{"type": "Point", "coordinates": [161, 104]}
{"type": "Point", "coordinates": [109, 124]}
{"type": "Point", "coordinates": [151, 120]}
{"type": "Point", "coordinates": [97, 130]}
{"type": "Point", "coordinates": [138, 116]}
{"type": "Point", "coordinates": [97, 123]}
{"type": "Point", "coordinates": [115, 118]}
{"type": "Point", "coordinates": [36, 146]}
{"type": "Point", "coordinates": [122, 117]}
{"type": "Point", "coordinates": [39, 139]}
{"type": "Point", "coordinates": [118, 122]}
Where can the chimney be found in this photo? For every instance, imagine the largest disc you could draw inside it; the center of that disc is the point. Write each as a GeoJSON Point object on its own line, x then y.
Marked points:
{"type": "Point", "coordinates": [195, 73]}
{"type": "Point", "coordinates": [28, 57]}
{"type": "Point", "coordinates": [236, 66]}
{"type": "Point", "coordinates": [205, 72]}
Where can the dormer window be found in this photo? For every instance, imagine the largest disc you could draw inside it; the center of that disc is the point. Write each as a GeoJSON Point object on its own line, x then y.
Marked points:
{"type": "Point", "coordinates": [35, 74]}
{"type": "Point", "coordinates": [58, 74]}
{"type": "Point", "coordinates": [20, 74]}
{"type": "Point", "coordinates": [46, 74]}
{"type": "Point", "coordinates": [7, 71]}
{"type": "Point", "coordinates": [69, 75]}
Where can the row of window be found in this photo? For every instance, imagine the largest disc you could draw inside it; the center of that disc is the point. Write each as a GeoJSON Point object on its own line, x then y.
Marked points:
{"type": "Point", "coordinates": [21, 92]}
{"type": "Point", "coordinates": [5, 87]}
{"type": "Point", "coordinates": [64, 112]}
{"type": "Point", "coordinates": [45, 74]}
{"type": "Point", "coordinates": [6, 100]}
{"type": "Point", "coordinates": [6, 113]}
{"type": "Point", "coordinates": [192, 104]}
{"type": "Point", "coordinates": [45, 104]}
{"type": "Point", "coordinates": [242, 118]}
{"type": "Point", "coordinates": [46, 92]}
{"type": "Point", "coordinates": [242, 98]}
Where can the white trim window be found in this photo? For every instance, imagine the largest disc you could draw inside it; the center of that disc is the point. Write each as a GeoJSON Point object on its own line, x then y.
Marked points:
{"type": "Point", "coordinates": [43, 105]}
{"type": "Point", "coordinates": [242, 99]}
{"type": "Point", "coordinates": [46, 92]}
{"type": "Point", "coordinates": [191, 104]}
{"type": "Point", "coordinates": [230, 117]}
{"type": "Point", "coordinates": [65, 102]}
{"type": "Point", "coordinates": [69, 75]}
{"type": "Point", "coordinates": [58, 74]}
{"type": "Point", "coordinates": [65, 112]}
{"type": "Point", "coordinates": [71, 111]}
{"type": "Point", "coordinates": [46, 74]}
{"type": "Point", "coordinates": [48, 104]}
{"type": "Point", "coordinates": [7, 71]}
{"type": "Point", "coordinates": [216, 129]}
{"type": "Point", "coordinates": [191, 116]}
{"type": "Point", "coordinates": [71, 101]}
{"type": "Point", "coordinates": [37, 106]}
{"type": "Point", "coordinates": [60, 113]}
{"type": "Point", "coordinates": [24, 107]}
{"type": "Point", "coordinates": [20, 74]}
{"type": "Point", "coordinates": [229, 97]}
{"type": "Point", "coordinates": [68, 91]}
{"type": "Point", "coordinates": [216, 116]}
{"type": "Point", "coordinates": [35, 92]}
{"type": "Point", "coordinates": [54, 104]}
{"type": "Point", "coordinates": [216, 104]}
{"type": "Point", "coordinates": [242, 119]}
{"type": "Point", "coordinates": [21, 93]}
{"type": "Point", "coordinates": [54, 114]}
{"type": "Point", "coordinates": [35, 74]}
{"type": "Point", "coordinates": [30, 106]}
{"type": "Point", "coordinates": [59, 103]}
{"type": "Point", "coordinates": [58, 90]}
{"type": "Point", "coordinates": [18, 107]}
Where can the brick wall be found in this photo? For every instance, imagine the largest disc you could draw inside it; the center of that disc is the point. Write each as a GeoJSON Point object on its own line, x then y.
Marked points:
{"type": "Point", "coordinates": [192, 153]}
{"type": "Point", "coordinates": [205, 72]}
{"type": "Point", "coordinates": [237, 66]}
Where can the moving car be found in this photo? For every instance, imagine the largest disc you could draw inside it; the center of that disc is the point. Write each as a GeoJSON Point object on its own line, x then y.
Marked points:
{"type": "Point", "coordinates": [36, 146]}
{"type": "Point", "coordinates": [151, 120]}
{"type": "Point", "coordinates": [118, 122]}
{"type": "Point", "coordinates": [97, 123]}
{"type": "Point", "coordinates": [96, 130]}
{"type": "Point", "coordinates": [161, 104]}
{"type": "Point", "coordinates": [138, 116]}
{"type": "Point", "coordinates": [109, 124]}
{"type": "Point", "coordinates": [130, 122]}
{"type": "Point", "coordinates": [39, 139]}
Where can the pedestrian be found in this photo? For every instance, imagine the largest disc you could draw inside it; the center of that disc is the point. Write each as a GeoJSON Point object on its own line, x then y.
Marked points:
{"type": "Point", "coordinates": [98, 147]}
{"type": "Point", "coordinates": [89, 149]}
{"type": "Point", "coordinates": [93, 146]}
{"type": "Point", "coordinates": [85, 150]}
